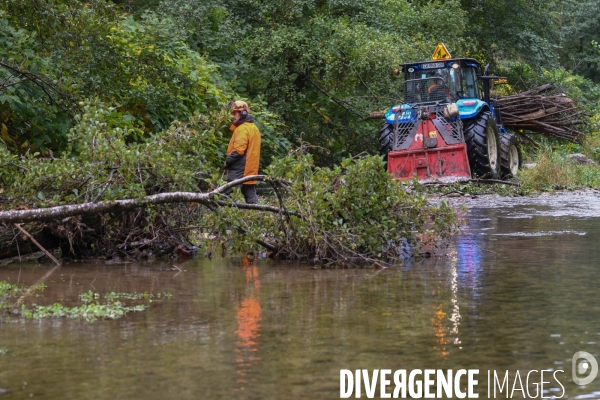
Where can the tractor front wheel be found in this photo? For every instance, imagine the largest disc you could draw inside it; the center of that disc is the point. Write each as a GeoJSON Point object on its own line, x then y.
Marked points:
{"type": "Point", "coordinates": [510, 155]}
{"type": "Point", "coordinates": [483, 145]}
{"type": "Point", "coordinates": [386, 136]}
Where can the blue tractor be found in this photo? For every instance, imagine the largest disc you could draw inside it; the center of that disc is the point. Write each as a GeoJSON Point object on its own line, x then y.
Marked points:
{"type": "Point", "coordinates": [448, 127]}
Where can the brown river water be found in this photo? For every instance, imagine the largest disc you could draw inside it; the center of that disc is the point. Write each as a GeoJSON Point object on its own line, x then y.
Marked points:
{"type": "Point", "coordinates": [517, 290]}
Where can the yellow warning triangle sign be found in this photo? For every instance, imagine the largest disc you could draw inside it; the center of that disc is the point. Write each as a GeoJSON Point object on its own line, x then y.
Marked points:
{"type": "Point", "coordinates": [441, 52]}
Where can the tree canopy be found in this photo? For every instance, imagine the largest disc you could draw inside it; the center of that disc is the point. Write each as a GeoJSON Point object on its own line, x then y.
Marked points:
{"type": "Point", "coordinates": [316, 65]}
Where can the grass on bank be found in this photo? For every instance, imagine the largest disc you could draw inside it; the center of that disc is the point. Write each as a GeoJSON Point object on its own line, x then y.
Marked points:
{"type": "Point", "coordinates": [548, 170]}
{"type": "Point", "coordinates": [554, 168]}
{"type": "Point", "coordinates": [557, 171]}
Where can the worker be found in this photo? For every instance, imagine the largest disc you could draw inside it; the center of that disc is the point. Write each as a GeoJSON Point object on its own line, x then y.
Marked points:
{"type": "Point", "coordinates": [243, 152]}
{"type": "Point", "coordinates": [438, 89]}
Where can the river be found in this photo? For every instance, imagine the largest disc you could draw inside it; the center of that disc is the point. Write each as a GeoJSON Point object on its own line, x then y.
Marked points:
{"type": "Point", "coordinates": [517, 290]}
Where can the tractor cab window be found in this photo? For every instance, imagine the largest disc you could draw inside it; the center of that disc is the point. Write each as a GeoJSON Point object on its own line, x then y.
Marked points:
{"type": "Point", "coordinates": [443, 79]}
{"type": "Point", "coordinates": [449, 83]}
{"type": "Point", "coordinates": [432, 85]}
{"type": "Point", "coordinates": [469, 83]}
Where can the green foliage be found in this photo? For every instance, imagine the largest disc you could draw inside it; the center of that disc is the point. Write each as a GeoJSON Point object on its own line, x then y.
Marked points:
{"type": "Point", "coordinates": [7, 289]}
{"type": "Point", "coordinates": [32, 113]}
{"type": "Point", "coordinates": [150, 65]}
{"type": "Point", "coordinates": [111, 164]}
{"type": "Point", "coordinates": [87, 312]}
{"type": "Point", "coordinates": [89, 296]}
{"type": "Point", "coordinates": [143, 68]}
{"type": "Point", "coordinates": [349, 214]}
{"type": "Point", "coordinates": [512, 29]}
{"type": "Point", "coordinates": [301, 55]}
{"type": "Point", "coordinates": [578, 23]}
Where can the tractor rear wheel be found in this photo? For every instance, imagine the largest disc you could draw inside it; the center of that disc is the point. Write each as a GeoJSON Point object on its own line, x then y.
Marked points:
{"type": "Point", "coordinates": [386, 136]}
{"type": "Point", "coordinates": [510, 155]}
{"type": "Point", "coordinates": [483, 145]}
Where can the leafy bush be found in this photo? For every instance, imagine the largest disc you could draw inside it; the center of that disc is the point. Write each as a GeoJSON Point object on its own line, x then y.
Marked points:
{"type": "Point", "coordinates": [352, 213]}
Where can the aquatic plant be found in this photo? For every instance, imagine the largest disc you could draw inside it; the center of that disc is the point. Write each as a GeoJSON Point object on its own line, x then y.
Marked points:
{"type": "Point", "coordinates": [93, 305]}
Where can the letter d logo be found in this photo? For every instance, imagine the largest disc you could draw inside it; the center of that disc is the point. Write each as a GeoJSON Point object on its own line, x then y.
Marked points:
{"type": "Point", "coordinates": [583, 366]}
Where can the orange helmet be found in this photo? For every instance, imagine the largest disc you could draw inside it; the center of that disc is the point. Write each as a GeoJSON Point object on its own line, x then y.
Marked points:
{"type": "Point", "coordinates": [240, 106]}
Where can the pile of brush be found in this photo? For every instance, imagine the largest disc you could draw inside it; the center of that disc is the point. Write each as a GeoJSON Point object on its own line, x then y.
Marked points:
{"type": "Point", "coordinates": [543, 110]}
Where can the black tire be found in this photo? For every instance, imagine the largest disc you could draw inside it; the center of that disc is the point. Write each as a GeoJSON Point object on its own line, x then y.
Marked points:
{"type": "Point", "coordinates": [484, 157]}
{"type": "Point", "coordinates": [386, 136]}
{"type": "Point", "coordinates": [511, 159]}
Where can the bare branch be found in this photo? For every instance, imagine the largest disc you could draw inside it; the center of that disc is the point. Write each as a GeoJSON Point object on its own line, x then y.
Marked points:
{"type": "Point", "coordinates": [40, 82]}
{"type": "Point", "coordinates": [5, 86]}
{"type": "Point", "coordinates": [337, 101]}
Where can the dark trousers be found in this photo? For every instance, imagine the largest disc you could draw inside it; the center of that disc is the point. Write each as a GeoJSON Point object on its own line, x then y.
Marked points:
{"type": "Point", "coordinates": [249, 192]}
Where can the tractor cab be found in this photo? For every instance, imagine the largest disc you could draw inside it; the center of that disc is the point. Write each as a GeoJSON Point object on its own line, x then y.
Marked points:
{"type": "Point", "coordinates": [452, 80]}
{"type": "Point", "coordinates": [441, 81]}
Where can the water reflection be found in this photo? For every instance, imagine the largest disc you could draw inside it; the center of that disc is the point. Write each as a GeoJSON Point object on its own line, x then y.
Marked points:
{"type": "Point", "coordinates": [248, 315]}
{"type": "Point", "coordinates": [440, 332]}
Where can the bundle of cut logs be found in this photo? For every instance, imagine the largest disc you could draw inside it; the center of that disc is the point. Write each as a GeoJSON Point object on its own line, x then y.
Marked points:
{"type": "Point", "coordinates": [544, 111]}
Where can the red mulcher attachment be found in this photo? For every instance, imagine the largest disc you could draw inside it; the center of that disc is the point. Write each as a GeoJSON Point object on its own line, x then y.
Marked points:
{"type": "Point", "coordinates": [431, 146]}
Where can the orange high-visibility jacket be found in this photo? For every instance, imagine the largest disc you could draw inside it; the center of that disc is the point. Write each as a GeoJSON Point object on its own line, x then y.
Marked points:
{"type": "Point", "coordinates": [243, 152]}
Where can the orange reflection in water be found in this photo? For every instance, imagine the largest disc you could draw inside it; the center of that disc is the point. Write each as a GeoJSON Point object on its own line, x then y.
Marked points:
{"type": "Point", "coordinates": [248, 315]}
{"type": "Point", "coordinates": [440, 332]}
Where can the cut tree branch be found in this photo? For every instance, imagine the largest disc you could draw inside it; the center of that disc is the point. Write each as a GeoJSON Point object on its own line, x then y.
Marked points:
{"type": "Point", "coordinates": [46, 252]}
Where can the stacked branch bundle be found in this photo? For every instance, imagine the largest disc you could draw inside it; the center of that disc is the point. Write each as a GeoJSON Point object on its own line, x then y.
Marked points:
{"type": "Point", "coordinates": [544, 111]}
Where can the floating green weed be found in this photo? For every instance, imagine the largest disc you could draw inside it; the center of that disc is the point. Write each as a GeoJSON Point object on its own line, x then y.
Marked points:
{"type": "Point", "coordinates": [93, 305]}
{"type": "Point", "coordinates": [7, 289]}
{"type": "Point", "coordinates": [88, 312]}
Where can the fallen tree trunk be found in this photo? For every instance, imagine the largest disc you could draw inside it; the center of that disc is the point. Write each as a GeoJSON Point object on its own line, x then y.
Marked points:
{"type": "Point", "coordinates": [63, 225]}
{"type": "Point", "coordinates": [208, 199]}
